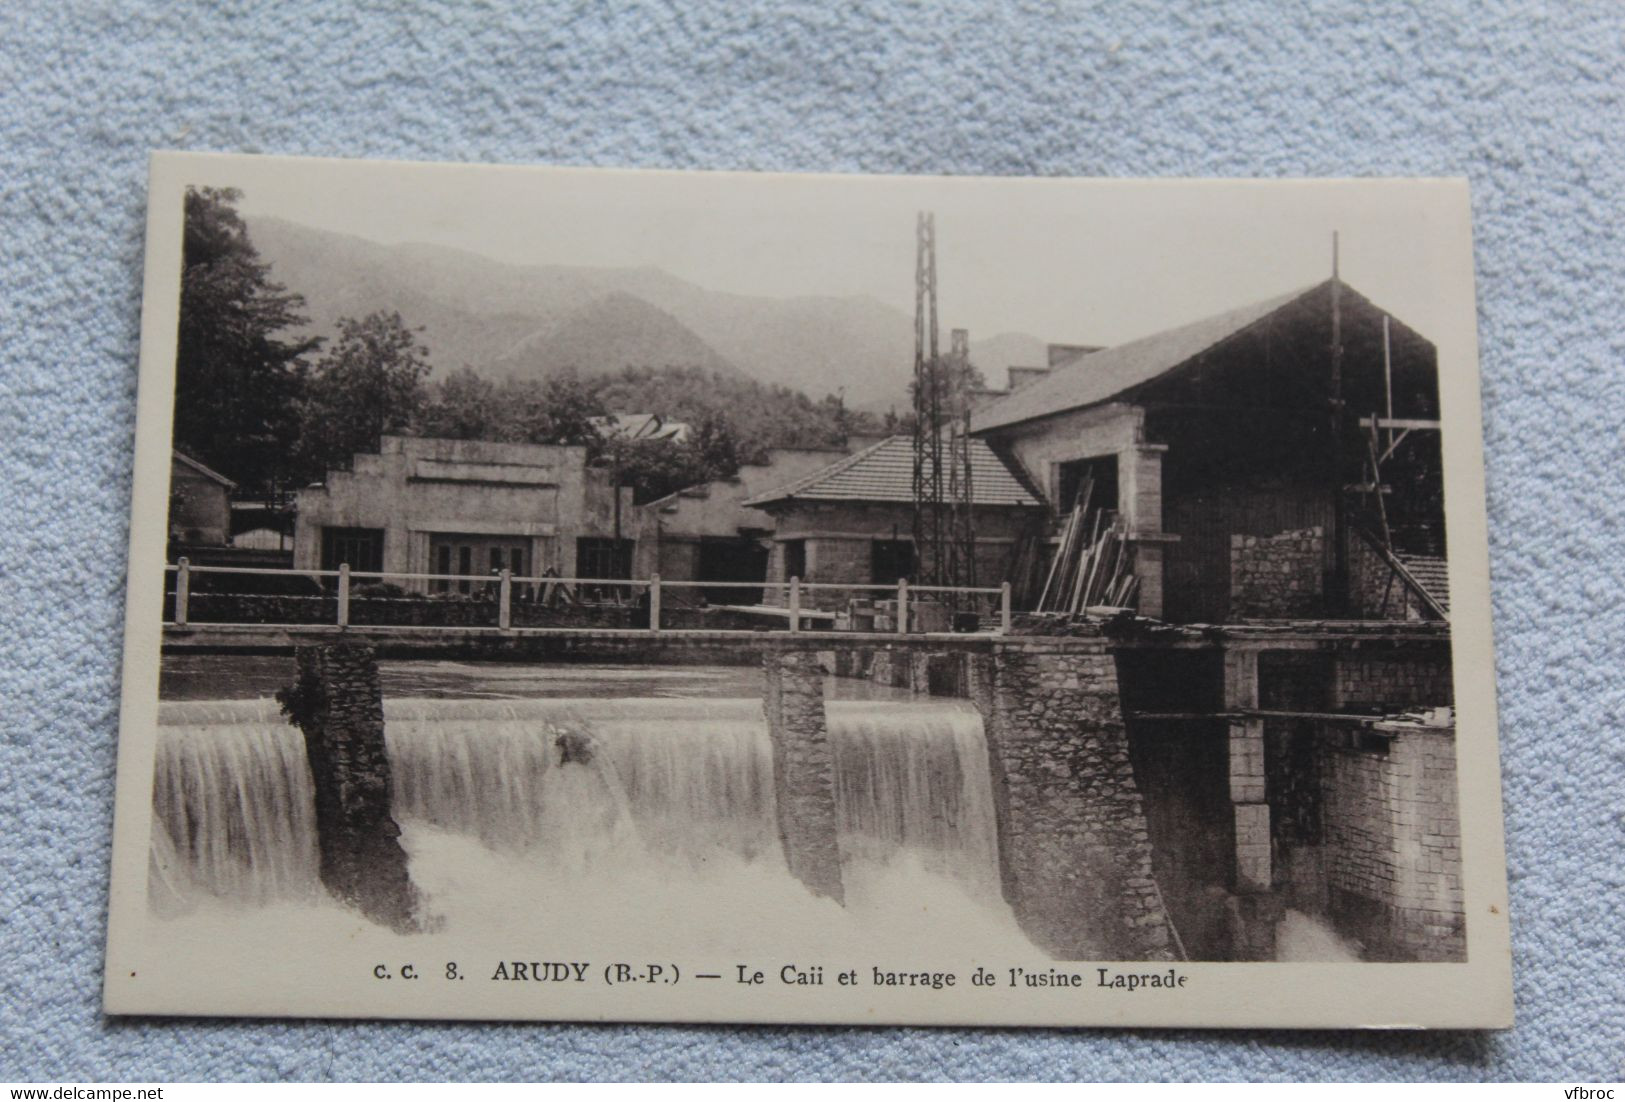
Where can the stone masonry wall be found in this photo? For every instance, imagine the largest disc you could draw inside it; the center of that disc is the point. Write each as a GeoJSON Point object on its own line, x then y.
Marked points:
{"type": "Point", "coordinates": [1393, 679]}
{"type": "Point", "coordinates": [1279, 576]}
{"type": "Point", "coordinates": [1393, 842]}
{"type": "Point", "coordinates": [803, 770]}
{"type": "Point", "coordinates": [1075, 852]}
{"type": "Point", "coordinates": [1375, 591]}
{"type": "Point", "coordinates": [338, 704]}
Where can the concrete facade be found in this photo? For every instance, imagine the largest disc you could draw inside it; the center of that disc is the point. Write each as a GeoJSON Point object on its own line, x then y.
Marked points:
{"type": "Point", "coordinates": [541, 498]}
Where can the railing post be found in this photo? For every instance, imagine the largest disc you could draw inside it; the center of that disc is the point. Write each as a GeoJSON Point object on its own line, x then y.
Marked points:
{"type": "Point", "coordinates": [654, 602]}
{"type": "Point", "coordinates": [505, 599]}
{"type": "Point", "coordinates": [1004, 608]}
{"type": "Point", "coordinates": [344, 594]}
{"type": "Point", "coordinates": [795, 604]}
{"type": "Point", "coordinates": [902, 606]}
{"type": "Point", "coordinates": [183, 589]}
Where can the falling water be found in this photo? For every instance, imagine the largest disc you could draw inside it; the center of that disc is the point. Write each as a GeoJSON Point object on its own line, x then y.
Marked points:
{"type": "Point", "coordinates": [680, 778]}
{"type": "Point", "coordinates": [234, 813]}
{"type": "Point", "coordinates": [912, 780]}
{"type": "Point", "coordinates": [662, 814]}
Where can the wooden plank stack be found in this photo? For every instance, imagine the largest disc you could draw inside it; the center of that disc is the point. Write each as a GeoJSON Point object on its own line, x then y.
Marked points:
{"type": "Point", "coordinates": [1092, 564]}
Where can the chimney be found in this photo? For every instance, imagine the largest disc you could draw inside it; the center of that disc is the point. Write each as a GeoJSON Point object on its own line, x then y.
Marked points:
{"type": "Point", "coordinates": [1025, 376]}
{"type": "Point", "coordinates": [1065, 353]}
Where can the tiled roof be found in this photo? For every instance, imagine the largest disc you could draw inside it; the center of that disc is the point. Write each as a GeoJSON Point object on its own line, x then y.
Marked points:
{"type": "Point", "coordinates": [1432, 574]}
{"type": "Point", "coordinates": [1096, 377]}
{"type": "Point", "coordinates": [885, 472]}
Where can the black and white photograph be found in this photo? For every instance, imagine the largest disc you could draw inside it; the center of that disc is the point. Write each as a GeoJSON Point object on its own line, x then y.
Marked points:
{"type": "Point", "coordinates": [589, 594]}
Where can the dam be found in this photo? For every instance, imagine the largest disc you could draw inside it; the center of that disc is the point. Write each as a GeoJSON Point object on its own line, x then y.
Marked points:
{"type": "Point", "coordinates": [1023, 786]}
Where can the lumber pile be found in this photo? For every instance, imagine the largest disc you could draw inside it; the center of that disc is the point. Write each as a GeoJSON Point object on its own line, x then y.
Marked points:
{"type": "Point", "coordinates": [1092, 564]}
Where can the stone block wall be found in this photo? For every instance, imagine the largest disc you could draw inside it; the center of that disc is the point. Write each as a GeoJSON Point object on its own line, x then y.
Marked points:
{"type": "Point", "coordinates": [338, 704]}
{"type": "Point", "coordinates": [1375, 591]}
{"type": "Point", "coordinates": [803, 770]}
{"type": "Point", "coordinates": [1278, 577]}
{"type": "Point", "coordinates": [1075, 850]}
{"type": "Point", "coordinates": [1393, 679]}
{"type": "Point", "coordinates": [1393, 841]}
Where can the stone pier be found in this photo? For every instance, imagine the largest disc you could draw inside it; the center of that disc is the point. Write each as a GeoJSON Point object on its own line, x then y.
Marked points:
{"type": "Point", "coordinates": [803, 770]}
{"type": "Point", "coordinates": [1074, 848]}
{"type": "Point", "coordinates": [337, 703]}
{"type": "Point", "coordinates": [1257, 909]}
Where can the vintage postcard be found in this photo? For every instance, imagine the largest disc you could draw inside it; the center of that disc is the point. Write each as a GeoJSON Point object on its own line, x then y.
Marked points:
{"type": "Point", "coordinates": [571, 594]}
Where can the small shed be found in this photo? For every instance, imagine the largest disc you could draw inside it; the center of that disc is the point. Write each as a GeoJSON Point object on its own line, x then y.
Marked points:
{"type": "Point", "coordinates": [199, 503]}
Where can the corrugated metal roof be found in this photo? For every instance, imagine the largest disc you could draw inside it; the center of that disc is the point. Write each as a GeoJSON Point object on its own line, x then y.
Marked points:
{"type": "Point", "coordinates": [885, 472]}
{"type": "Point", "coordinates": [1099, 376]}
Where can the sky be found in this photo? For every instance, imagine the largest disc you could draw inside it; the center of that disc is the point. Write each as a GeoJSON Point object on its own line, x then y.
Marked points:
{"type": "Point", "coordinates": [1095, 262]}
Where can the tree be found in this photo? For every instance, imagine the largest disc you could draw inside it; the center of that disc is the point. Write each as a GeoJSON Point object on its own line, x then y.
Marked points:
{"type": "Point", "coordinates": [369, 384]}
{"type": "Point", "coordinates": [238, 379]}
{"type": "Point", "coordinates": [718, 451]}
{"type": "Point", "coordinates": [462, 406]}
{"type": "Point", "coordinates": [652, 467]}
{"type": "Point", "coordinates": [557, 411]}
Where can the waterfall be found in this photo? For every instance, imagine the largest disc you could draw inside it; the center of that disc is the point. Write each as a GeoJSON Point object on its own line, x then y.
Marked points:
{"type": "Point", "coordinates": [627, 819]}
{"type": "Point", "coordinates": [911, 780]}
{"type": "Point", "coordinates": [234, 812]}
{"type": "Point", "coordinates": [675, 777]}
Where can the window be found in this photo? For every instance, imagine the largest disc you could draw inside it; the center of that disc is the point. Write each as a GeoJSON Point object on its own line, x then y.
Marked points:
{"type": "Point", "coordinates": [442, 565]}
{"type": "Point", "coordinates": [890, 560]}
{"type": "Point", "coordinates": [362, 548]}
{"type": "Point", "coordinates": [732, 560]}
{"type": "Point", "coordinates": [603, 558]}
{"type": "Point", "coordinates": [795, 559]}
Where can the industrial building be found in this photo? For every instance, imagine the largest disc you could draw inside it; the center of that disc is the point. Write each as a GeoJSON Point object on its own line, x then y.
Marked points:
{"type": "Point", "coordinates": [1253, 473]}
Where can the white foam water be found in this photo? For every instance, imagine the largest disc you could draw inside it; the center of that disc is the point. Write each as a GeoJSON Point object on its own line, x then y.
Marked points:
{"type": "Point", "coordinates": [659, 831]}
{"type": "Point", "coordinates": [1303, 937]}
{"type": "Point", "coordinates": [234, 813]}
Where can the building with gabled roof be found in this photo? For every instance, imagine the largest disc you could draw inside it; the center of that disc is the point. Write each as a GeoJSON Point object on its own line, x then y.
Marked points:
{"type": "Point", "coordinates": [639, 426]}
{"type": "Point", "coordinates": [199, 503]}
{"type": "Point", "coordinates": [852, 520]}
{"type": "Point", "coordinates": [1238, 448]}
{"type": "Point", "coordinates": [707, 533]}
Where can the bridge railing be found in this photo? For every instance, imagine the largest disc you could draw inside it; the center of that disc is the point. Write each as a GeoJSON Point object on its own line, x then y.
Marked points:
{"type": "Point", "coordinates": [492, 600]}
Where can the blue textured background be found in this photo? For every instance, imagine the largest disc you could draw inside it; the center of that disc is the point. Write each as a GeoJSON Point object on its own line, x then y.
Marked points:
{"type": "Point", "coordinates": [1524, 100]}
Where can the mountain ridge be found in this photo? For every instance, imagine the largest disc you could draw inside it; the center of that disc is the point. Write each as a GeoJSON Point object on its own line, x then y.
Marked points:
{"type": "Point", "coordinates": [508, 319]}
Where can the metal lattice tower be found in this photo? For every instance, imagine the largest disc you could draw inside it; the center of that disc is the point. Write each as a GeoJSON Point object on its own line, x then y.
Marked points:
{"type": "Point", "coordinates": [961, 523]}
{"type": "Point", "coordinates": [943, 531]}
{"type": "Point", "coordinates": [927, 407]}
